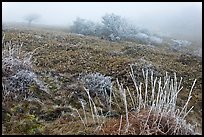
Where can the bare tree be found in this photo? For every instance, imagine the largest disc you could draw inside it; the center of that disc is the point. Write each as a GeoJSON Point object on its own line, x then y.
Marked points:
{"type": "Point", "coordinates": [31, 17]}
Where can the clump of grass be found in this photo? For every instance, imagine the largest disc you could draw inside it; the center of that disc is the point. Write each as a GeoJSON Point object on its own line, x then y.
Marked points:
{"type": "Point", "coordinates": [156, 113]}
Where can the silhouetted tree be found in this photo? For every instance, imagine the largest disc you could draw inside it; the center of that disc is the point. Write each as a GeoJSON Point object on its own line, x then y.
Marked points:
{"type": "Point", "coordinates": [31, 17]}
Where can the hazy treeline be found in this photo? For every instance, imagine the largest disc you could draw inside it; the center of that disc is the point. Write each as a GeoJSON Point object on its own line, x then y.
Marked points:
{"type": "Point", "coordinates": [114, 27]}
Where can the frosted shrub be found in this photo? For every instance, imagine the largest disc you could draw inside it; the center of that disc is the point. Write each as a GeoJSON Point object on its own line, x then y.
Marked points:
{"type": "Point", "coordinates": [111, 24]}
{"type": "Point", "coordinates": [178, 44]}
{"type": "Point", "coordinates": [155, 40]}
{"type": "Point", "coordinates": [142, 37]}
{"type": "Point", "coordinates": [97, 83]}
{"type": "Point", "coordinates": [17, 73]}
{"type": "Point", "coordinates": [82, 26]}
{"type": "Point", "coordinates": [22, 80]}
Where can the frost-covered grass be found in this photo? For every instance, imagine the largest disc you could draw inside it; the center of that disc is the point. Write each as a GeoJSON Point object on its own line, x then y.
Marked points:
{"type": "Point", "coordinates": [157, 106]}
{"type": "Point", "coordinates": [97, 84]}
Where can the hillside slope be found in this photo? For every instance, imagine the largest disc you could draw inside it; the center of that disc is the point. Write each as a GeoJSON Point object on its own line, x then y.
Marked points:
{"type": "Point", "coordinates": [62, 57]}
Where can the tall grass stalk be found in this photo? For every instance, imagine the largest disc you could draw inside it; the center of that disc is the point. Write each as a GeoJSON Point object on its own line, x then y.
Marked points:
{"type": "Point", "coordinates": [145, 125]}
{"type": "Point", "coordinates": [134, 81]}
{"type": "Point", "coordinates": [82, 104]}
{"type": "Point", "coordinates": [74, 109]}
{"type": "Point", "coordinates": [146, 85]}
{"type": "Point", "coordinates": [87, 91]}
{"type": "Point", "coordinates": [123, 94]}
{"type": "Point", "coordinates": [189, 97]}
{"type": "Point", "coordinates": [116, 101]}
{"type": "Point", "coordinates": [121, 118]}
{"type": "Point", "coordinates": [110, 101]}
{"type": "Point", "coordinates": [133, 102]}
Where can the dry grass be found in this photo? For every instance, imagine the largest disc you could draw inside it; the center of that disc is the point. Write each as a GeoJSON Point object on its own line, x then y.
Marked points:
{"type": "Point", "coordinates": [138, 125]}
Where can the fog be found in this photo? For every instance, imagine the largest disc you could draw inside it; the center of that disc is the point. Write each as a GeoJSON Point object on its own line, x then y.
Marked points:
{"type": "Point", "coordinates": [181, 20]}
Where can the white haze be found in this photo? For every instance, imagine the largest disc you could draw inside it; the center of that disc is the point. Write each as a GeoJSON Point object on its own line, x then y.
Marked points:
{"type": "Point", "coordinates": [178, 19]}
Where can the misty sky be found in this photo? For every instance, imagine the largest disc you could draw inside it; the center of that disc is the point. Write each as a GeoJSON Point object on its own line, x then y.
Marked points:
{"type": "Point", "coordinates": [181, 19]}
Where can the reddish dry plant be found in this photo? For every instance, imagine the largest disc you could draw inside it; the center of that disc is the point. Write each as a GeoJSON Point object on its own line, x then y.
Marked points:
{"type": "Point", "coordinates": [145, 123]}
